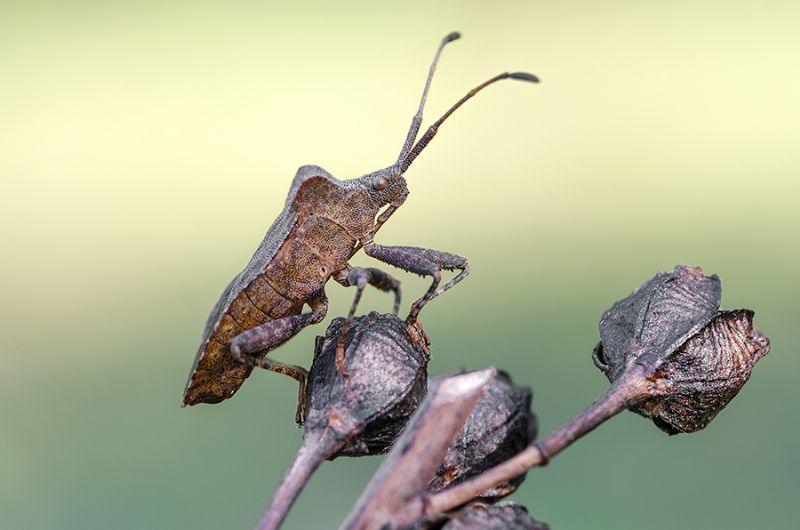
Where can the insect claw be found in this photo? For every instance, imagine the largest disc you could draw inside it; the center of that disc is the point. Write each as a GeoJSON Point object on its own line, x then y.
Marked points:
{"type": "Point", "coordinates": [341, 363]}
{"type": "Point", "coordinates": [418, 337]}
{"type": "Point", "coordinates": [300, 415]}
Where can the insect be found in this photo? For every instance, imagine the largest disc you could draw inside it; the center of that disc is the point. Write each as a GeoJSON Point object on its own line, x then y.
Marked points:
{"type": "Point", "coordinates": [325, 222]}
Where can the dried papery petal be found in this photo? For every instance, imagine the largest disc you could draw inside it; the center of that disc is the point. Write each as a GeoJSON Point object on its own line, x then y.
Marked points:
{"type": "Point", "coordinates": [501, 425]}
{"type": "Point", "coordinates": [385, 381]}
{"type": "Point", "coordinates": [694, 357]}
{"type": "Point", "coordinates": [506, 516]}
{"type": "Point", "coordinates": [705, 373]}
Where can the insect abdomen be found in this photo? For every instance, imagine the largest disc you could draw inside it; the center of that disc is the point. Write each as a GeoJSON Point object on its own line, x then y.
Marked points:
{"type": "Point", "coordinates": [217, 375]}
{"type": "Point", "coordinates": [314, 249]}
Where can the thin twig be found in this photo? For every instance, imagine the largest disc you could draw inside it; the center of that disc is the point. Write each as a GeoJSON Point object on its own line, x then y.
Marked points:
{"type": "Point", "coordinates": [616, 399]}
{"type": "Point", "coordinates": [419, 451]}
{"type": "Point", "coordinates": [311, 454]}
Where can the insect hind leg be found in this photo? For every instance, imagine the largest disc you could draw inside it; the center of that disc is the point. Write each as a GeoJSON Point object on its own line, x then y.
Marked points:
{"type": "Point", "coordinates": [252, 346]}
{"type": "Point", "coordinates": [298, 373]}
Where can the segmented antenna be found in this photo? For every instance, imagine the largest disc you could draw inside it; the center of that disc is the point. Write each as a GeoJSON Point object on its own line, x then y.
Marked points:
{"type": "Point", "coordinates": [433, 129]}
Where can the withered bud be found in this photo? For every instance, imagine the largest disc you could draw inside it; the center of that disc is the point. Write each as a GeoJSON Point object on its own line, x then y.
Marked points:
{"type": "Point", "coordinates": [694, 357]}
{"type": "Point", "coordinates": [358, 408]}
{"type": "Point", "coordinates": [384, 381]}
{"type": "Point", "coordinates": [506, 516]}
{"type": "Point", "coordinates": [501, 425]}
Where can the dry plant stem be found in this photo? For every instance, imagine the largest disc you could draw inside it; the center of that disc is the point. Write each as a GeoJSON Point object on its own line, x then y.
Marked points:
{"type": "Point", "coordinates": [311, 454]}
{"type": "Point", "coordinates": [419, 451]}
{"type": "Point", "coordinates": [626, 390]}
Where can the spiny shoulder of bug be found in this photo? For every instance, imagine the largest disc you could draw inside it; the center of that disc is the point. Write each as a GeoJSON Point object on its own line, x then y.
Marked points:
{"type": "Point", "coordinates": [384, 186]}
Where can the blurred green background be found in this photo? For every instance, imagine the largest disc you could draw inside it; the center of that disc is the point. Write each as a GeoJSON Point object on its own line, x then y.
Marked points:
{"type": "Point", "coordinates": [145, 147]}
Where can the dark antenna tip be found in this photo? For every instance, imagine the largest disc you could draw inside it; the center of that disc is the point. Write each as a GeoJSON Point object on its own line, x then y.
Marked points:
{"type": "Point", "coordinates": [452, 36]}
{"type": "Point", "coordinates": [524, 76]}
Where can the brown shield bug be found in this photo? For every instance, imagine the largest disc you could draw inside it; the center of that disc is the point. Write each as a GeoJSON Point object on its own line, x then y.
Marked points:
{"type": "Point", "coordinates": [325, 221]}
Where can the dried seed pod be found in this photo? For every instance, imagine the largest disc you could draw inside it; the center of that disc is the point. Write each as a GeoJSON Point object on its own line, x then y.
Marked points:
{"type": "Point", "coordinates": [694, 356]}
{"type": "Point", "coordinates": [501, 425]}
{"type": "Point", "coordinates": [669, 353]}
{"type": "Point", "coordinates": [385, 381]}
{"type": "Point", "coordinates": [506, 516]}
{"type": "Point", "coordinates": [361, 409]}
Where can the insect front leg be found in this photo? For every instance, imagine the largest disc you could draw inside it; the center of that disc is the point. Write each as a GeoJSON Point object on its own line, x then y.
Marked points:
{"type": "Point", "coordinates": [422, 261]}
{"type": "Point", "coordinates": [251, 347]}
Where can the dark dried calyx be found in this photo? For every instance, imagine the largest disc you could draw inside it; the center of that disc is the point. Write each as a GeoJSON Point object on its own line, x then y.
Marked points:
{"type": "Point", "coordinates": [362, 410]}
{"type": "Point", "coordinates": [358, 408]}
{"type": "Point", "coordinates": [694, 357]}
{"type": "Point", "coordinates": [506, 516]}
{"type": "Point", "coordinates": [501, 425]}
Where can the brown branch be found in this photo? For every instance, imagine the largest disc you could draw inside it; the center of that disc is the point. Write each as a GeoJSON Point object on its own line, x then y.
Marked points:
{"type": "Point", "coordinates": [312, 453]}
{"type": "Point", "coordinates": [622, 393]}
{"type": "Point", "coordinates": [419, 451]}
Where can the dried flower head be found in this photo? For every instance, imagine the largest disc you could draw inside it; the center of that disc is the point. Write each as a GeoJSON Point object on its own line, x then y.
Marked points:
{"type": "Point", "coordinates": [694, 356]}
{"type": "Point", "coordinates": [359, 410]}
{"type": "Point", "coordinates": [501, 425]}
{"type": "Point", "coordinates": [385, 381]}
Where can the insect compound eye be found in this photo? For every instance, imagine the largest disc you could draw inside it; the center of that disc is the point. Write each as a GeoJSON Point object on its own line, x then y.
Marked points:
{"type": "Point", "coordinates": [380, 183]}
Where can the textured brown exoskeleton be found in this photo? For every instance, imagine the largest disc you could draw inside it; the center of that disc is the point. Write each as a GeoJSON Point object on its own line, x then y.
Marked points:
{"type": "Point", "coordinates": [324, 222]}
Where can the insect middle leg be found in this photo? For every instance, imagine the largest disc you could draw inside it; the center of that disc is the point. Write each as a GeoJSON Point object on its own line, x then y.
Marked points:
{"type": "Point", "coordinates": [360, 277]}
{"type": "Point", "coordinates": [251, 347]}
{"type": "Point", "coordinates": [422, 261]}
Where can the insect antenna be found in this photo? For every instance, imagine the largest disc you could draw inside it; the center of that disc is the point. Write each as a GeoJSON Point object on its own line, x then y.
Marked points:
{"type": "Point", "coordinates": [406, 161]}
{"type": "Point", "coordinates": [416, 122]}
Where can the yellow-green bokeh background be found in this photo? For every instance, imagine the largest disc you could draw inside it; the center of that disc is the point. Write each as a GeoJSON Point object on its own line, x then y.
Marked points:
{"type": "Point", "coordinates": [146, 146]}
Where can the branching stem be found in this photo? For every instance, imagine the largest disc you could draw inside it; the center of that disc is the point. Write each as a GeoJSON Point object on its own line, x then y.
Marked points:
{"type": "Point", "coordinates": [623, 392]}
{"type": "Point", "coordinates": [311, 454]}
